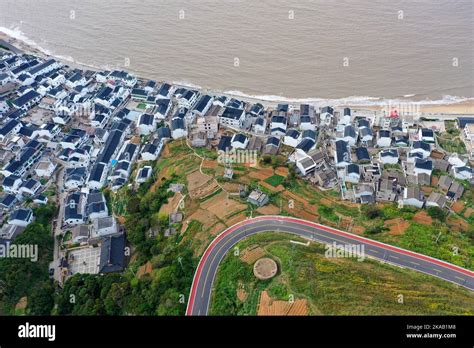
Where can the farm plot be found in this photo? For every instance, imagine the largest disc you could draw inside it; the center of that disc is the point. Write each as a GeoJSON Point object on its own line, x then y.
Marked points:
{"type": "Point", "coordinates": [223, 206]}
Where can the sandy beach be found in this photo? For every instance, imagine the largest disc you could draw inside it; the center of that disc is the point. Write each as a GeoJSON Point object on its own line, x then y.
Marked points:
{"type": "Point", "coordinates": [461, 108]}
{"type": "Point", "coordinates": [454, 108]}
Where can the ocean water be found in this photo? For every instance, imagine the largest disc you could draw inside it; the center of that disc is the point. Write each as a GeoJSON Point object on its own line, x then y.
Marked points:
{"type": "Point", "coordinates": [295, 49]}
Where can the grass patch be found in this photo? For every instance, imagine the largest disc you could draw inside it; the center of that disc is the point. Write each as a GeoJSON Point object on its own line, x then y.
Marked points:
{"type": "Point", "coordinates": [328, 213]}
{"type": "Point", "coordinates": [452, 145]}
{"type": "Point", "coordinates": [275, 180]}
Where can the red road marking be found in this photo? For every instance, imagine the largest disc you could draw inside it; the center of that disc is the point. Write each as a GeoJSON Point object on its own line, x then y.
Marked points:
{"type": "Point", "coordinates": [197, 275]}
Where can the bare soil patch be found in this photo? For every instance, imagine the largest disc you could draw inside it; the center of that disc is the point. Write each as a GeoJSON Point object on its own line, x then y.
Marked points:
{"type": "Point", "coordinates": [422, 217]}
{"type": "Point", "coordinates": [303, 214]}
{"type": "Point", "coordinates": [357, 229]}
{"type": "Point", "coordinates": [196, 180]}
{"type": "Point", "coordinates": [223, 206]}
{"type": "Point", "coordinates": [468, 212]}
{"type": "Point", "coordinates": [212, 164]}
{"type": "Point", "coordinates": [268, 306]}
{"type": "Point", "coordinates": [261, 174]}
{"type": "Point", "coordinates": [205, 217]}
{"type": "Point", "coordinates": [22, 303]}
{"type": "Point", "coordinates": [231, 187]}
{"type": "Point", "coordinates": [457, 207]}
{"type": "Point", "coordinates": [283, 171]}
{"type": "Point", "coordinates": [144, 269]}
{"type": "Point", "coordinates": [236, 219]}
{"type": "Point", "coordinates": [457, 224]}
{"type": "Point", "coordinates": [397, 226]}
{"type": "Point", "coordinates": [252, 253]}
{"type": "Point", "coordinates": [172, 204]}
{"type": "Point", "coordinates": [217, 228]}
{"type": "Point", "coordinates": [269, 209]}
{"type": "Point", "coordinates": [200, 185]}
{"type": "Point", "coordinates": [241, 293]}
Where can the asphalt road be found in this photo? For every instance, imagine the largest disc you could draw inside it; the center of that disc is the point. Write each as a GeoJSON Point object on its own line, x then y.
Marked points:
{"type": "Point", "coordinates": [201, 289]}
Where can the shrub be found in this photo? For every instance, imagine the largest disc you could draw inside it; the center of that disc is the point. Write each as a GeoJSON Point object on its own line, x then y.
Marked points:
{"type": "Point", "coordinates": [437, 213]}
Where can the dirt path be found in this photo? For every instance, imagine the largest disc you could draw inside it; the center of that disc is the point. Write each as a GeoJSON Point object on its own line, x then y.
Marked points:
{"type": "Point", "coordinates": [200, 170]}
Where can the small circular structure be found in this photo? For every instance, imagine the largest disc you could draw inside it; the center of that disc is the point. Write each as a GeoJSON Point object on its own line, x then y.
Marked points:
{"type": "Point", "coordinates": [265, 268]}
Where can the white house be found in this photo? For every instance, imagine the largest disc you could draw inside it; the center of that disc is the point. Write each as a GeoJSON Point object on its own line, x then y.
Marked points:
{"type": "Point", "coordinates": [436, 199]}
{"type": "Point", "coordinates": [165, 91]}
{"type": "Point", "coordinates": [345, 117]}
{"type": "Point", "coordinates": [56, 79]}
{"type": "Point", "coordinates": [455, 161]}
{"type": "Point", "coordinates": [162, 109]}
{"type": "Point", "coordinates": [342, 155]}
{"type": "Point", "coordinates": [76, 79]}
{"type": "Point", "coordinates": [352, 173]}
{"type": "Point", "coordinates": [422, 148]}
{"type": "Point", "coordinates": [427, 135]}
{"type": "Point", "coordinates": [348, 134]}
{"type": "Point", "coordinates": [187, 98]}
{"type": "Point", "coordinates": [74, 209]}
{"type": "Point", "coordinates": [151, 152]}
{"type": "Point", "coordinates": [104, 226]}
{"type": "Point", "coordinates": [306, 124]}
{"type": "Point", "coordinates": [178, 128]}
{"type": "Point", "coordinates": [239, 141]}
{"type": "Point", "coordinates": [74, 178]}
{"type": "Point", "coordinates": [278, 125]}
{"type": "Point", "coordinates": [143, 174]}
{"type": "Point", "coordinates": [462, 173]}
{"type": "Point", "coordinates": [45, 68]}
{"type": "Point", "coordinates": [21, 217]}
{"type": "Point", "coordinates": [389, 156]}
{"type": "Point", "coordinates": [48, 130]}
{"type": "Point", "coordinates": [423, 166]}
{"type": "Point", "coordinates": [146, 124]}
{"type": "Point", "coordinates": [96, 206]}
{"type": "Point", "coordinates": [4, 79]}
{"type": "Point", "coordinates": [97, 176]}
{"type": "Point", "coordinates": [11, 184]}
{"type": "Point", "coordinates": [413, 196]}
{"type": "Point", "coordinates": [384, 139]}
{"type": "Point", "coordinates": [30, 187]}
{"type": "Point", "coordinates": [11, 127]}
{"type": "Point", "coordinates": [303, 162]}
{"type": "Point", "coordinates": [232, 117]}
{"type": "Point", "coordinates": [260, 125]}
{"type": "Point", "coordinates": [291, 138]}
{"type": "Point", "coordinates": [203, 105]}
{"type": "Point", "coordinates": [326, 116]}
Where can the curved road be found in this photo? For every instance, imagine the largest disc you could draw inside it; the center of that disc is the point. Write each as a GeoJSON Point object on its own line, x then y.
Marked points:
{"type": "Point", "coordinates": [201, 288]}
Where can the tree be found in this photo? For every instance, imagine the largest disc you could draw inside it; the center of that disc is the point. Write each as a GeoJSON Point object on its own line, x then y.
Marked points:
{"type": "Point", "coordinates": [371, 211]}
{"type": "Point", "coordinates": [114, 300]}
{"type": "Point", "coordinates": [375, 229]}
{"type": "Point", "coordinates": [437, 213]}
{"type": "Point", "coordinates": [41, 300]}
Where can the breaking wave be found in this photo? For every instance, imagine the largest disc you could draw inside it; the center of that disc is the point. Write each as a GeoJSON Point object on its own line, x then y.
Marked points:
{"type": "Point", "coordinates": [17, 34]}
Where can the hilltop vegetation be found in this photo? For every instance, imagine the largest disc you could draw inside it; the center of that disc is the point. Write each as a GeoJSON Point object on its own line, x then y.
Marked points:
{"type": "Point", "coordinates": [333, 286]}
{"type": "Point", "coordinates": [164, 291]}
{"type": "Point", "coordinates": [20, 277]}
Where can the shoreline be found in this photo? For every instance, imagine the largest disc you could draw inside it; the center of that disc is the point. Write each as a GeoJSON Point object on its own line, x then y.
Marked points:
{"type": "Point", "coordinates": [461, 107]}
